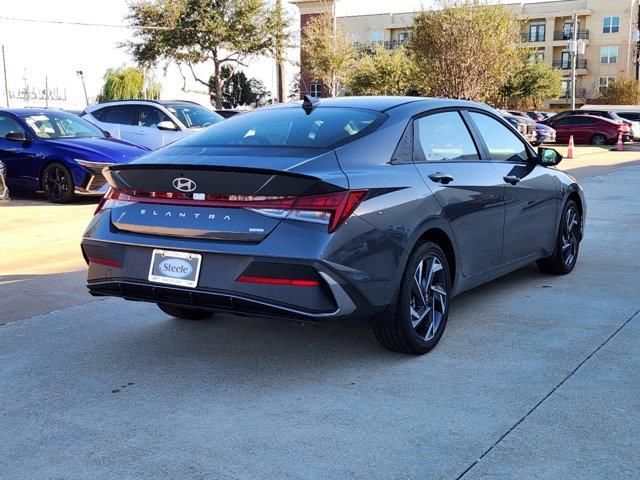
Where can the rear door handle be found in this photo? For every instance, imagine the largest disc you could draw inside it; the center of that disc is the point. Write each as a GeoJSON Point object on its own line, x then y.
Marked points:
{"type": "Point", "coordinates": [512, 179]}
{"type": "Point", "coordinates": [439, 177]}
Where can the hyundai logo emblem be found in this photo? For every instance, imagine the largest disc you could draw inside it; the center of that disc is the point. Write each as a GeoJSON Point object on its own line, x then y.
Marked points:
{"type": "Point", "coordinates": [184, 184]}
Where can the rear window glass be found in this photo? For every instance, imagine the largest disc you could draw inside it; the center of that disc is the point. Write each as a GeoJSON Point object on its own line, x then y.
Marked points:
{"type": "Point", "coordinates": [290, 127]}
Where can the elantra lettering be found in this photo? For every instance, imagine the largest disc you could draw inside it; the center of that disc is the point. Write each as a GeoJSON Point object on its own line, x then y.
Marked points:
{"type": "Point", "coordinates": [156, 213]}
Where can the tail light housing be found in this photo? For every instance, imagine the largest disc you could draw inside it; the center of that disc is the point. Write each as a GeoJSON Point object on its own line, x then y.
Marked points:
{"type": "Point", "coordinates": [332, 209]}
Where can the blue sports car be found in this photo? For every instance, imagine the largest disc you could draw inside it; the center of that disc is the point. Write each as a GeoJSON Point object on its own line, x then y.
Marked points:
{"type": "Point", "coordinates": [58, 153]}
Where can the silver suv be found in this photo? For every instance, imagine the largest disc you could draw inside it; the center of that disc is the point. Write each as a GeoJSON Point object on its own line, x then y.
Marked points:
{"type": "Point", "coordinates": [151, 123]}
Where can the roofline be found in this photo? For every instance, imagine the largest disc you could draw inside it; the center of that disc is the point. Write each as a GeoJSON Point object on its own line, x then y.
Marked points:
{"type": "Point", "coordinates": [414, 12]}
{"type": "Point", "coordinates": [158, 102]}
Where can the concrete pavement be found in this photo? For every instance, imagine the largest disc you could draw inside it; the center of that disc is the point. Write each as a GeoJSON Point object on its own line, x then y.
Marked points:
{"type": "Point", "coordinates": [536, 377]}
{"type": "Point", "coordinates": [41, 267]}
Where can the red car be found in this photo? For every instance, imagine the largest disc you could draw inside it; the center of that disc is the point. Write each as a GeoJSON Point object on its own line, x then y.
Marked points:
{"type": "Point", "coordinates": [588, 129]}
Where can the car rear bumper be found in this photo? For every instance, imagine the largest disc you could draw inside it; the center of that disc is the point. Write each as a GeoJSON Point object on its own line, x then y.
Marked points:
{"type": "Point", "coordinates": [122, 271]}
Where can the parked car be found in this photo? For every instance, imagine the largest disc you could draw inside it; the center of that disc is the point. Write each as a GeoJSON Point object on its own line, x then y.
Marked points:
{"type": "Point", "coordinates": [591, 129]}
{"type": "Point", "coordinates": [151, 123]}
{"type": "Point", "coordinates": [58, 152]}
{"type": "Point", "coordinates": [544, 134]}
{"type": "Point", "coordinates": [523, 124]}
{"type": "Point", "coordinates": [4, 190]}
{"type": "Point", "coordinates": [536, 116]}
{"type": "Point", "coordinates": [632, 116]}
{"type": "Point", "coordinates": [517, 113]}
{"type": "Point", "coordinates": [381, 207]}
{"type": "Point", "coordinates": [634, 126]}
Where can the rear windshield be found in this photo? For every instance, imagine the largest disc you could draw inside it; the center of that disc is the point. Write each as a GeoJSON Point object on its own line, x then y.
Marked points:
{"type": "Point", "coordinates": [290, 127]}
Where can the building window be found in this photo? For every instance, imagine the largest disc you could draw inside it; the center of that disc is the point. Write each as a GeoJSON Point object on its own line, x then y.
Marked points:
{"type": "Point", "coordinates": [402, 38]}
{"type": "Point", "coordinates": [565, 60]}
{"type": "Point", "coordinates": [377, 37]}
{"type": "Point", "coordinates": [537, 32]}
{"type": "Point", "coordinates": [566, 88]}
{"type": "Point", "coordinates": [536, 57]}
{"type": "Point", "coordinates": [315, 89]}
{"type": "Point", "coordinates": [605, 82]}
{"type": "Point", "coordinates": [611, 25]}
{"type": "Point", "coordinates": [608, 54]}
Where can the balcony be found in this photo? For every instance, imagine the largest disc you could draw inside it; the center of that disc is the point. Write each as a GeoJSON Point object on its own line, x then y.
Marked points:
{"type": "Point", "coordinates": [581, 64]}
{"type": "Point", "coordinates": [565, 35]}
{"type": "Point", "coordinates": [533, 37]}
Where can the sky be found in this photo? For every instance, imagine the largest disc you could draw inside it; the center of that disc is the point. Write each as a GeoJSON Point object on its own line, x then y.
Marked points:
{"type": "Point", "coordinates": [35, 51]}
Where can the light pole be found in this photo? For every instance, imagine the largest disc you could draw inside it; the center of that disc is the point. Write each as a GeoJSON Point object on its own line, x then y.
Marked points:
{"type": "Point", "coordinates": [574, 54]}
{"type": "Point", "coordinates": [80, 73]}
{"type": "Point", "coordinates": [280, 54]}
{"type": "Point", "coordinates": [4, 69]}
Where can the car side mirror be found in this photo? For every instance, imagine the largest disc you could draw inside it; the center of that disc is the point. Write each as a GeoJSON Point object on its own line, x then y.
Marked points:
{"type": "Point", "coordinates": [106, 134]}
{"type": "Point", "coordinates": [16, 136]}
{"type": "Point", "coordinates": [548, 157]}
{"type": "Point", "coordinates": [167, 125]}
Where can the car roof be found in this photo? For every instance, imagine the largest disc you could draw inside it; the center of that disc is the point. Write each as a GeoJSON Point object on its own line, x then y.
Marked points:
{"type": "Point", "coordinates": [139, 101]}
{"type": "Point", "coordinates": [597, 117]}
{"type": "Point", "coordinates": [384, 103]}
{"type": "Point", "coordinates": [32, 110]}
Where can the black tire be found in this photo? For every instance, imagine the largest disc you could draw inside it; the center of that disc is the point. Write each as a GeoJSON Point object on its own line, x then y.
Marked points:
{"type": "Point", "coordinates": [565, 254]}
{"type": "Point", "coordinates": [57, 183]}
{"type": "Point", "coordinates": [185, 313]}
{"type": "Point", "coordinates": [598, 139]}
{"type": "Point", "coordinates": [402, 330]}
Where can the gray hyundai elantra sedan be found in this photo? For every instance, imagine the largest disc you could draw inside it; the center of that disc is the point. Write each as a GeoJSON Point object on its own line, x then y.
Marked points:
{"type": "Point", "coordinates": [377, 207]}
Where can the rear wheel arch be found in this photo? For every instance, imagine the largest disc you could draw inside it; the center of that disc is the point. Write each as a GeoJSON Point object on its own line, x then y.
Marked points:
{"type": "Point", "coordinates": [575, 196]}
{"type": "Point", "coordinates": [445, 242]}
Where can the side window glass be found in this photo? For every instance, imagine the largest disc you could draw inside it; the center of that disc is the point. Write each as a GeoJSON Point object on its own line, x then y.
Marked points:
{"type": "Point", "coordinates": [151, 116]}
{"type": "Point", "coordinates": [99, 114]}
{"type": "Point", "coordinates": [443, 137]}
{"type": "Point", "coordinates": [120, 114]}
{"type": "Point", "coordinates": [9, 125]}
{"type": "Point", "coordinates": [502, 143]}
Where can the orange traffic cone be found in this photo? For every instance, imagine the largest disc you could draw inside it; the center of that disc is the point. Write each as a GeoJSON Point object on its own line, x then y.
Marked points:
{"type": "Point", "coordinates": [571, 147]}
{"type": "Point", "coordinates": [620, 145]}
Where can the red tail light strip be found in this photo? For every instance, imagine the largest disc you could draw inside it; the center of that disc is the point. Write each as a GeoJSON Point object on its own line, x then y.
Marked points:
{"type": "Point", "coordinates": [279, 281]}
{"type": "Point", "coordinates": [339, 205]}
{"type": "Point", "coordinates": [105, 262]}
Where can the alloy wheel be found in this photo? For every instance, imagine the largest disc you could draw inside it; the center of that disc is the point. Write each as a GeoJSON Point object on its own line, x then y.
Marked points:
{"type": "Point", "coordinates": [599, 140]}
{"type": "Point", "coordinates": [56, 183]}
{"type": "Point", "coordinates": [428, 303]}
{"type": "Point", "coordinates": [569, 236]}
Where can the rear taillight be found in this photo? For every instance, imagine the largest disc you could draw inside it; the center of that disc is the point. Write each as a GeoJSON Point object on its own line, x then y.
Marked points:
{"type": "Point", "coordinates": [107, 196]}
{"type": "Point", "coordinates": [332, 209]}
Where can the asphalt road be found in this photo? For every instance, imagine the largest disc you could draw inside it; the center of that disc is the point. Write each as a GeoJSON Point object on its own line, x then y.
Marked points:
{"type": "Point", "coordinates": [536, 377]}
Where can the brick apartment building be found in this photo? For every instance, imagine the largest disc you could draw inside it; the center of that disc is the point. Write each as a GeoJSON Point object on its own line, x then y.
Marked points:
{"type": "Point", "coordinates": [608, 28]}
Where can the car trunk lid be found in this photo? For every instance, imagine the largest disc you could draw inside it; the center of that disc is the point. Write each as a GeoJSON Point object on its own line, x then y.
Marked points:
{"type": "Point", "coordinates": [232, 194]}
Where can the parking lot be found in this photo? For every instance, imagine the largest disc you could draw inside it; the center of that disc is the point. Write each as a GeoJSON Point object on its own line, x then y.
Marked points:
{"type": "Point", "coordinates": [536, 376]}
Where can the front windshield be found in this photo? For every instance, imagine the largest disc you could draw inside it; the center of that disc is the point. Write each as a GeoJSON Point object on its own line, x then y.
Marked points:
{"type": "Point", "coordinates": [194, 116]}
{"type": "Point", "coordinates": [60, 125]}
